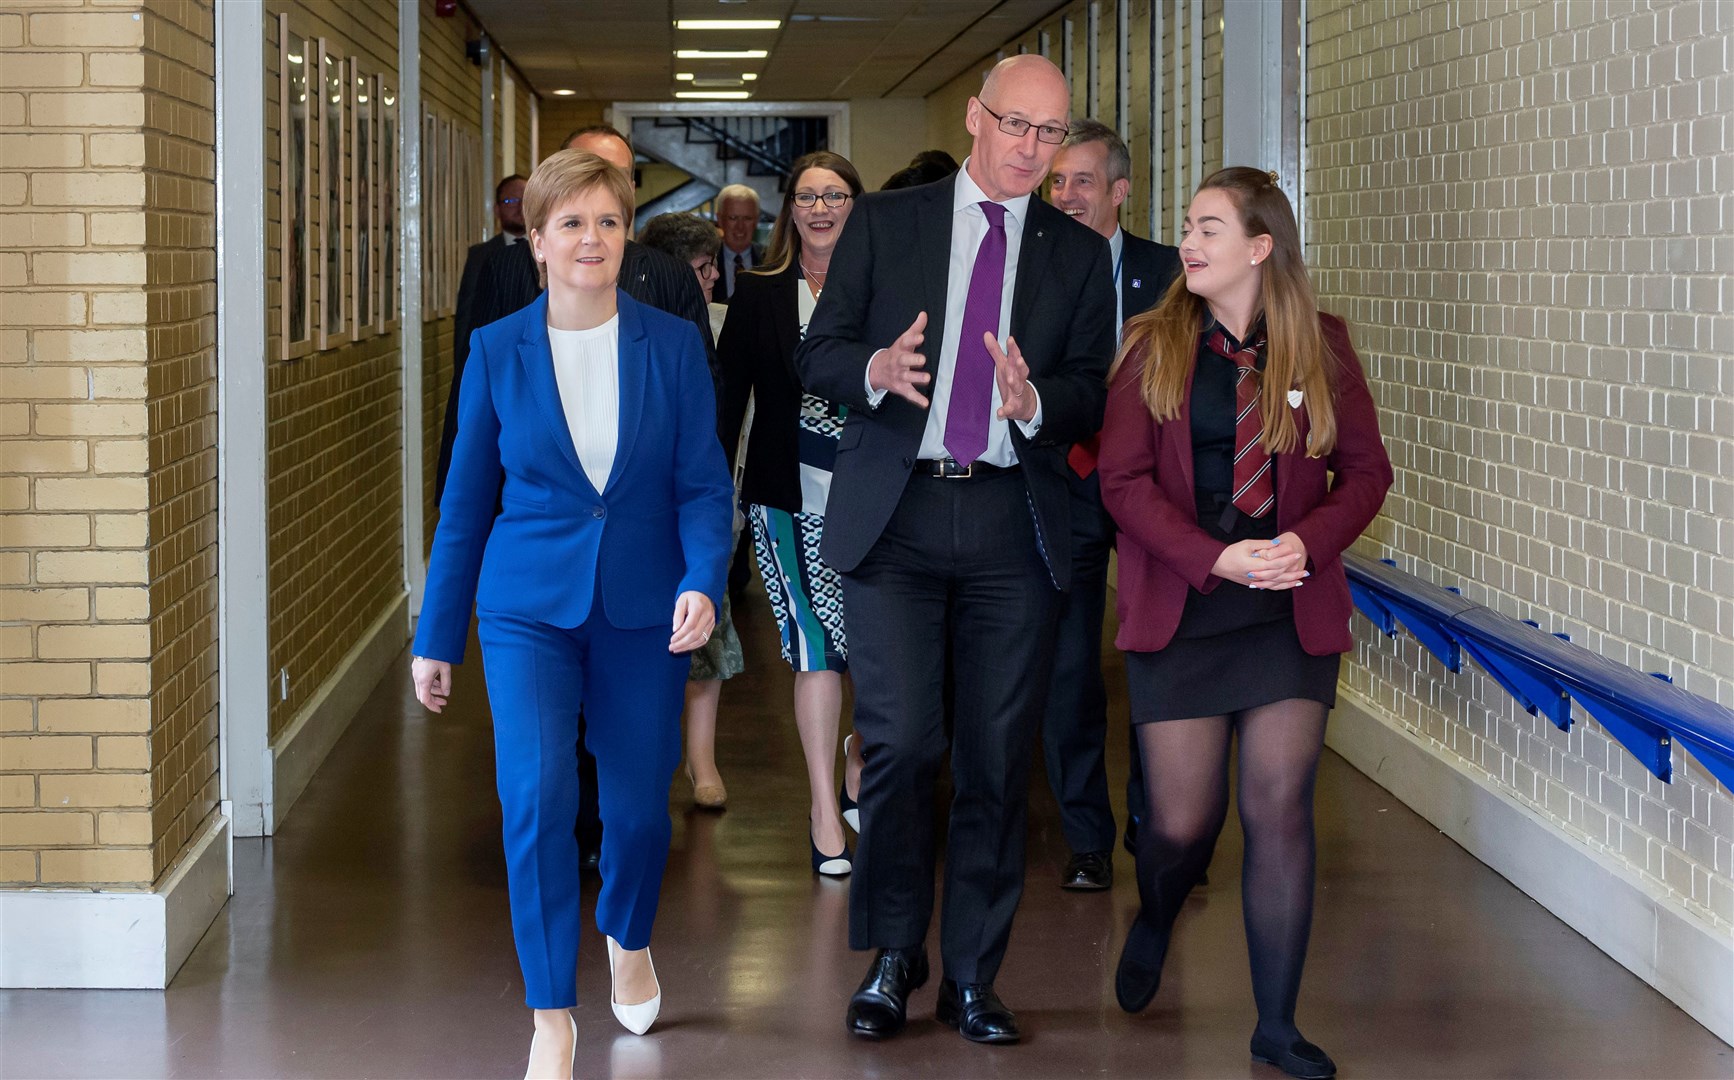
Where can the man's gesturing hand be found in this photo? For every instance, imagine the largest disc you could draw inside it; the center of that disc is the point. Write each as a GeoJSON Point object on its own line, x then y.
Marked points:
{"type": "Point", "coordinates": [897, 369]}
{"type": "Point", "coordinates": [1017, 400]}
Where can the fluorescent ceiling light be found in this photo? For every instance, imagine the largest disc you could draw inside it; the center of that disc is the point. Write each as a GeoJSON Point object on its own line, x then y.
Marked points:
{"type": "Point", "coordinates": [683, 76]}
{"type": "Point", "coordinates": [713, 95]}
{"type": "Point", "coordinates": [720, 54]}
{"type": "Point", "coordinates": [727, 24]}
{"type": "Point", "coordinates": [564, 93]}
{"type": "Point", "coordinates": [750, 76]}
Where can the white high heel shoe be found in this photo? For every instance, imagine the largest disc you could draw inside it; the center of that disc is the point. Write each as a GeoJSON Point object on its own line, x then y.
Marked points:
{"type": "Point", "coordinates": [530, 1074]}
{"type": "Point", "coordinates": [634, 1018]}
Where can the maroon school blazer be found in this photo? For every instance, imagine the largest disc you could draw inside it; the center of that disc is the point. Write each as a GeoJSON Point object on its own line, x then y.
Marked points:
{"type": "Point", "coordinates": [1146, 470]}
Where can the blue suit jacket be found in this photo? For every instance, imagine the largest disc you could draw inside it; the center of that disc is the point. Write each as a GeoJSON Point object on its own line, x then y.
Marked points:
{"type": "Point", "coordinates": [522, 531]}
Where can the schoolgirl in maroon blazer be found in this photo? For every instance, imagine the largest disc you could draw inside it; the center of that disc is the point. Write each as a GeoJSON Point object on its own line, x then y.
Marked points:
{"type": "Point", "coordinates": [1240, 457]}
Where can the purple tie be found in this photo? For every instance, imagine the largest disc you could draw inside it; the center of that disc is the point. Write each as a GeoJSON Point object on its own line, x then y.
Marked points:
{"type": "Point", "coordinates": [971, 406]}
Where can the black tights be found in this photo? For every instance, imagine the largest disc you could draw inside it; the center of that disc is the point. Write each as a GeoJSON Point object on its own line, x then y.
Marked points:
{"type": "Point", "coordinates": [1186, 773]}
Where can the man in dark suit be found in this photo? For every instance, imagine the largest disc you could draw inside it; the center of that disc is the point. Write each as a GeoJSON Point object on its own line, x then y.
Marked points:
{"type": "Point", "coordinates": [486, 294]}
{"type": "Point", "coordinates": [949, 520]}
{"type": "Point", "coordinates": [1089, 180]}
{"type": "Point", "coordinates": [737, 215]}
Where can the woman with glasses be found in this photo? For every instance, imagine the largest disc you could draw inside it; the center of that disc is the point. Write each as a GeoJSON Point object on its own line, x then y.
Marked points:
{"type": "Point", "coordinates": [788, 475]}
{"type": "Point", "coordinates": [695, 241]}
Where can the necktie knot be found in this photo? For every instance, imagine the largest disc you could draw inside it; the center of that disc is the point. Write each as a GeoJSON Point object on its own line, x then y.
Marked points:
{"type": "Point", "coordinates": [995, 214]}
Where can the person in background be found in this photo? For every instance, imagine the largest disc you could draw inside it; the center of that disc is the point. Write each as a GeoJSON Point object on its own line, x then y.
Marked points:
{"type": "Point", "coordinates": [787, 481]}
{"type": "Point", "coordinates": [692, 240]}
{"type": "Point", "coordinates": [492, 287]}
{"type": "Point", "coordinates": [1089, 180]}
{"type": "Point", "coordinates": [737, 215]}
{"type": "Point", "coordinates": [924, 168]}
{"type": "Point", "coordinates": [1240, 457]}
{"type": "Point", "coordinates": [588, 446]}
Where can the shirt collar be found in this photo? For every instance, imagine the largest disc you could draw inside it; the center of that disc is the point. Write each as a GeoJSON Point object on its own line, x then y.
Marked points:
{"type": "Point", "coordinates": [510, 239]}
{"type": "Point", "coordinates": [966, 194]}
{"type": "Point", "coordinates": [1116, 244]}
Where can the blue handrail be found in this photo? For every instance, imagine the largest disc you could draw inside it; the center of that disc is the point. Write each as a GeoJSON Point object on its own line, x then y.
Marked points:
{"type": "Point", "coordinates": [1545, 672]}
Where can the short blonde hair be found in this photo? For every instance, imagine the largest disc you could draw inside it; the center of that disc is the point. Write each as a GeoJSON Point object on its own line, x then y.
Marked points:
{"type": "Point", "coordinates": [570, 173]}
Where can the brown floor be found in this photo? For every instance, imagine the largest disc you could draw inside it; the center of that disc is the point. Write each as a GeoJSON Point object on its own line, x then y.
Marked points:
{"type": "Point", "coordinates": [370, 938]}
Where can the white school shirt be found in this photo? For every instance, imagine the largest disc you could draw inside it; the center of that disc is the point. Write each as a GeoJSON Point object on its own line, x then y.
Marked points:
{"type": "Point", "coordinates": [968, 228]}
{"type": "Point", "coordinates": [587, 372]}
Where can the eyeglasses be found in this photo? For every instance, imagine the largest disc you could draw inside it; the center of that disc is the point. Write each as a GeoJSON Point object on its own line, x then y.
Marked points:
{"type": "Point", "coordinates": [510, 202]}
{"type": "Point", "coordinates": [1018, 128]}
{"type": "Point", "coordinates": [833, 199]}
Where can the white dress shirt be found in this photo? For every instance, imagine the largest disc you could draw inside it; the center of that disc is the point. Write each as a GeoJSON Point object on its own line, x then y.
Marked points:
{"type": "Point", "coordinates": [1117, 252]}
{"type": "Point", "coordinates": [968, 228]}
{"type": "Point", "coordinates": [728, 264]}
{"type": "Point", "coordinates": [587, 372]}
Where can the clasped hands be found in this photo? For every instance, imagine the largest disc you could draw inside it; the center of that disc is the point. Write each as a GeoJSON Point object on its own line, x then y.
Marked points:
{"type": "Point", "coordinates": [1264, 564]}
{"type": "Point", "coordinates": [694, 619]}
{"type": "Point", "coordinates": [897, 368]}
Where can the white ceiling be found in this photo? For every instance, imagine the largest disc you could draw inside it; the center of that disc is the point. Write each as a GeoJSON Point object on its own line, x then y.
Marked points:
{"type": "Point", "coordinates": [623, 50]}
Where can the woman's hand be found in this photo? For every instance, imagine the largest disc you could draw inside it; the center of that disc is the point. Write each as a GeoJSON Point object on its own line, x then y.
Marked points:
{"type": "Point", "coordinates": [433, 682]}
{"type": "Point", "coordinates": [694, 619]}
{"type": "Point", "coordinates": [1264, 564]}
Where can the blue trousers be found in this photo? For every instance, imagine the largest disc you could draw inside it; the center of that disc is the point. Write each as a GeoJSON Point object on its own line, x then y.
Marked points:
{"type": "Point", "coordinates": [630, 690]}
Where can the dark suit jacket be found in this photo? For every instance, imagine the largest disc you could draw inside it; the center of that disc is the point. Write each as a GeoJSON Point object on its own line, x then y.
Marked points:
{"type": "Point", "coordinates": [524, 532]}
{"type": "Point", "coordinates": [757, 358]}
{"type": "Point", "coordinates": [720, 291]}
{"type": "Point", "coordinates": [889, 265]}
{"type": "Point", "coordinates": [1146, 270]}
{"type": "Point", "coordinates": [507, 280]}
{"type": "Point", "coordinates": [1146, 470]}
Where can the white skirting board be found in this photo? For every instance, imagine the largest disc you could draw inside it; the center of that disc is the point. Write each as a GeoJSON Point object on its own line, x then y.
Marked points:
{"type": "Point", "coordinates": [76, 939]}
{"type": "Point", "coordinates": [302, 748]}
{"type": "Point", "coordinates": [1658, 939]}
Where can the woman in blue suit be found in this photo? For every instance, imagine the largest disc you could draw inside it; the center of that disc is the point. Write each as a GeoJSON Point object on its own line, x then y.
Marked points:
{"type": "Point", "coordinates": [586, 516]}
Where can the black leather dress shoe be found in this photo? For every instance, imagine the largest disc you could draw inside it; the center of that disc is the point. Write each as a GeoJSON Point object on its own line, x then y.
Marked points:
{"type": "Point", "coordinates": [1140, 972]}
{"type": "Point", "coordinates": [1089, 871]}
{"type": "Point", "coordinates": [976, 1012]}
{"type": "Point", "coordinates": [881, 1004]}
{"type": "Point", "coordinates": [590, 860]}
{"type": "Point", "coordinates": [1297, 1057]}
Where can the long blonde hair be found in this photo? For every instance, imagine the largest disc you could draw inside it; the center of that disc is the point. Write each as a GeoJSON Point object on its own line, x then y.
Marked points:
{"type": "Point", "coordinates": [1297, 356]}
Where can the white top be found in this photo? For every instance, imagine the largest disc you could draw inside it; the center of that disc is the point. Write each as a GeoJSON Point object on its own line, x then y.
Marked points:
{"type": "Point", "coordinates": [806, 302]}
{"type": "Point", "coordinates": [968, 228]}
{"type": "Point", "coordinates": [587, 371]}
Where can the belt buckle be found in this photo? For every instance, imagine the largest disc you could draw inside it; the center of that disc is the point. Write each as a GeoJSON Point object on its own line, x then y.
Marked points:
{"type": "Point", "coordinates": [949, 469]}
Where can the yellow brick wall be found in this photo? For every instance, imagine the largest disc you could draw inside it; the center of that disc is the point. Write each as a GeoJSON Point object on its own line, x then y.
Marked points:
{"type": "Point", "coordinates": [181, 382]}
{"type": "Point", "coordinates": [107, 430]}
{"type": "Point", "coordinates": [334, 421]}
{"type": "Point", "coordinates": [451, 85]}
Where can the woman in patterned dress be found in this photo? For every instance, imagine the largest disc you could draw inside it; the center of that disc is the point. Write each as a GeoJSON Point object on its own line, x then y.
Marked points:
{"type": "Point", "coordinates": [788, 473]}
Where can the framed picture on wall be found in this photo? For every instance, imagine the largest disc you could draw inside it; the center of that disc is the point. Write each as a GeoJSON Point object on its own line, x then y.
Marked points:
{"type": "Point", "coordinates": [333, 84]}
{"type": "Point", "coordinates": [388, 210]}
{"type": "Point", "coordinates": [295, 191]}
{"type": "Point", "coordinates": [429, 235]}
{"type": "Point", "coordinates": [364, 173]}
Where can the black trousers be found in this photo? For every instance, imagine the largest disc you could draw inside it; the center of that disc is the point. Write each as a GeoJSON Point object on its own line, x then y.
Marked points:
{"type": "Point", "coordinates": [957, 564]}
{"type": "Point", "coordinates": [1075, 725]}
